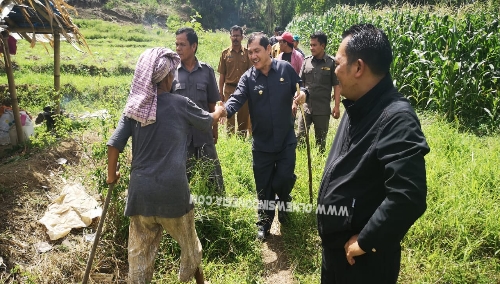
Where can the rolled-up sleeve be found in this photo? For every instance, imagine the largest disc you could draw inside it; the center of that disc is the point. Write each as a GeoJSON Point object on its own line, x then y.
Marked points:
{"type": "Point", "coordinates": [122, 133]}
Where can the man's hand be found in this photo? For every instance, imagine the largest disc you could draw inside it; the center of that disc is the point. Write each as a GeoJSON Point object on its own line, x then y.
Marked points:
{"type": "Point", "coordinates": [113, 178]}
{"type": "Point", "coordinates": [294, 109]}
{"type": "Point", "coordinates": [336, 112]}
{"type": "Point", "coordinates": [299, 98]}
{"type": "Point", "coordinates": [352, 249]}
{"type": "Point", "coordinates": [221, 109]}
{"type": "Point", "coordinates": [223, 112]}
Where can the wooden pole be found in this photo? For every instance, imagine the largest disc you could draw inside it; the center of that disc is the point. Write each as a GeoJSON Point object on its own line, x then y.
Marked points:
{"type": "Point", "coordinates": [308, 147]}
{"type": "Point", "coordinates": [57, 70]}
{"type": "Point", "coordinates": [12, 88]}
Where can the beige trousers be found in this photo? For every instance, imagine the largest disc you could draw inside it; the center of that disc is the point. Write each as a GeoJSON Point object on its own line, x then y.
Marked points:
{"type": "Point", "coordinates": [144, 239]}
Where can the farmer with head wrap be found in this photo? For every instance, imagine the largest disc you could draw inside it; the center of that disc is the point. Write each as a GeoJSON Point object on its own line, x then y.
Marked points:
{"type": "Point", "coordinates": [158, 196]}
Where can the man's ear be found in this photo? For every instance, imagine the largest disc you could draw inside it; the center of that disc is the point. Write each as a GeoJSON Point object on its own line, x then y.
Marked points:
{"type": "Point", "coordinates": [360, 68]}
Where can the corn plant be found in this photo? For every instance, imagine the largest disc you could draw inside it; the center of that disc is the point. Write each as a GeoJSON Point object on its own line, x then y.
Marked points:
{"type": "Point", "coordinates": [445, 59]}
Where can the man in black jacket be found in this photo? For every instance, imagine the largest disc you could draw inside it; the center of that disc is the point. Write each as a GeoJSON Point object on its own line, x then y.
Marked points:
{"type": "Point", "coordinates": [374, 184]}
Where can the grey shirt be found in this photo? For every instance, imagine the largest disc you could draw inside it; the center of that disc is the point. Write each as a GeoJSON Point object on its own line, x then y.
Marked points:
{"type": "Point", "coordinates": [158, 183]}
{"type": "Point", "coordinates": [201, 87]}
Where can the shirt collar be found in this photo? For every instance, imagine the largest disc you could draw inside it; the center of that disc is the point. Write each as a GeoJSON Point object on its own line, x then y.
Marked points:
{"type": "Point", "coordinates": [357, 109]}
{"type": "Point", "coordinates": [196, 65]}
{"type": "Point", "coordinates": [274, 66]}
{"type": "Point", "coordinates": [242, 49]}
{"type": "Point", "coordinates": [325, 56]}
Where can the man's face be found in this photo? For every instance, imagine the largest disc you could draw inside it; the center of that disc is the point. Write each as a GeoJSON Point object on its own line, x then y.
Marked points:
{"type": "Point", "coordinates": [344, 71]}
{"type": "Point", "coordinates": [236, 38]}
{"type": "Point", "coordinates": [316, 48]}
{"type": "Point", "coordinates": [283, 44]}
{"type": "Point", "coordinates": [183, 48]}
{"type": "Point", "coordinates": [259, 55]}
{"type": "Point", "coordinates": [295, 44]}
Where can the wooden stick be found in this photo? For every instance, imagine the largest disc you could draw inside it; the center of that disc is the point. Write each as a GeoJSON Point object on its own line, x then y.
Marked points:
{"type": "Point", "coordinates": [98, 234]}
{"type": "Point", "coordinates": [308, 147]}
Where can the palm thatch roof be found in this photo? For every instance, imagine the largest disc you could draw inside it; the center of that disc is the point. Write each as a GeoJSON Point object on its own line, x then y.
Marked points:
{"type": "Point", "coordinates": [39, 20]}
{"type": "Point", "coordinates": [32, 19]}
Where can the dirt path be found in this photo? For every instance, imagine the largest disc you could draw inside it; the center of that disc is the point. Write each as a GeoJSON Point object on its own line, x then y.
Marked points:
{"type": "Point", "coordinates": [277, 269]}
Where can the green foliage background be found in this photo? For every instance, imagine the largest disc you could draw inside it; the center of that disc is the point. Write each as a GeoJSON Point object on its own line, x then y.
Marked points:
{"type": "Point", "coordinates": [444, 59]}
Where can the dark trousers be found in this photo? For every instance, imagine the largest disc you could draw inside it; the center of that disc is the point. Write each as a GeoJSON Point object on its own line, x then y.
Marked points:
{"type": "Point", "coordinates": [321, 123]}
{"type": "Point", "coordinates": [378, 267]}
{"type": "Point", "coordinates": [274, 175]}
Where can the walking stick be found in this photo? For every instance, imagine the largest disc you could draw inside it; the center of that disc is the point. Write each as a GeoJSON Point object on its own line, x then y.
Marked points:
{"type": "Point", "coordinates": [98, 234]}
{"type": "Point", "coordinates": [308, 147]}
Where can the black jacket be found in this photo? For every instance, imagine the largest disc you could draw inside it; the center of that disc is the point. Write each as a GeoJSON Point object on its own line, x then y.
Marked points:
{"type": "Point", "coordinates": [374, 182]}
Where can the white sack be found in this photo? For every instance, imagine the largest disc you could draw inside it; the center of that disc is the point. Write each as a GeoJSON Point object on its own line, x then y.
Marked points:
{"type": "Point", "coordinates": [74, 208]}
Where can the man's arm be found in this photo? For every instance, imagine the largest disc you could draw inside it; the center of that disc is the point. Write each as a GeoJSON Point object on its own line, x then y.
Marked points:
{"type": "Point", "coordinates": [215, 126]}
{"type": "Point", "coordinates": [113, 174]}
{"type": "Point", "coordinates": [336, 98]}
{"type": "Point", "coordinates": [239, 97]}
{"type": "Point", "coordinates": [400, 149]}
{"type": "Point", "coordinates": [222, 79]}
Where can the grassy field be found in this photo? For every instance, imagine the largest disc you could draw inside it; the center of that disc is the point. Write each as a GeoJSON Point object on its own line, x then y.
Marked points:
{"type": "Point", "coordinates": [456, 241]}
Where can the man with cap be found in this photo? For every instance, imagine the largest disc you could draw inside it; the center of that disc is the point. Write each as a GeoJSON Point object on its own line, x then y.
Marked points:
{"type": "Point", "coordinates": [296, 40]}
{"type": "Point", "coordinates": [288, 53]}
{"type": "Point", "coordinates": [158, 195]}
{"type": "Point", "coordinates": [196, 80]}
{"type": "Point", "coordinates": [233, 63]}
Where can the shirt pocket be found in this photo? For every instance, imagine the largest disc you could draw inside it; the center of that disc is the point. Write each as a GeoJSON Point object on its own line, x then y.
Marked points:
{"type": "Point", "coordinates": [179, 88]}
{"type": "Point", "coordinates": [201, 92]}
{"type": "Point", "coordinates": [309, 75]}
{"type": "Point", "coordinates": [325, 77]}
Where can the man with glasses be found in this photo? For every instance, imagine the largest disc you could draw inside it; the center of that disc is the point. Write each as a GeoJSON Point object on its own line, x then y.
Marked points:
{"type": "Point", "coordinates": [232, 64]}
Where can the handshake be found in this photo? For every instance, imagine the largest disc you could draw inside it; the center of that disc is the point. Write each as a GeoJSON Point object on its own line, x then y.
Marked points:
{"type": "Point", "coordinates": [219, 113]}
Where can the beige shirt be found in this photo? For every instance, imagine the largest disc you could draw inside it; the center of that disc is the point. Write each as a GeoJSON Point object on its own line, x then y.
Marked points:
{"type": "Point", "coordinates": [233, 64]}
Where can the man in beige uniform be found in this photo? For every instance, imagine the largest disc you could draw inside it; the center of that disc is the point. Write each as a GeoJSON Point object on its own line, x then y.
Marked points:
{"type": "Point", "coordinates": [233, 63]}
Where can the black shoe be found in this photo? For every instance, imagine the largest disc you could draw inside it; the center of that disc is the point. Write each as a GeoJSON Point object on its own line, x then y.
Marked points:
{"type": "Point", "coordinates": [262, 233]}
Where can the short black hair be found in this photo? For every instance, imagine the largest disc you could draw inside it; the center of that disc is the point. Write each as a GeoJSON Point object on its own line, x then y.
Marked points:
{"type": "Point", "coordinates": [371, 45]}
{"type": "Point", "coordinates": [191, 35]}
{"type": "Point", "coordinates": [277, 29]}
{"type": "Point", "coordinates": [236, 28]}
{"type": "Point", "coordinates": [320, 36]}
{"type": "Point", "coordinates": [264, 41]}
{"type": "Point", "coordinates": [7, 102]}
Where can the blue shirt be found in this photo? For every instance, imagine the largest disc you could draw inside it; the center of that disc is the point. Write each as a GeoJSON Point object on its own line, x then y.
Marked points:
{"type": "Point", "coordinates": [270, 103]}
{"type": "Point", "coordinates": [200, 86]}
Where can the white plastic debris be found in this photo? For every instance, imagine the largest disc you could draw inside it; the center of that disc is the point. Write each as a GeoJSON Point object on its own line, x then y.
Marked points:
{"type": "Point", "coordinates": [89, 237]}
{"type": "Point", "coordinates": [102, 277]}
{"type": "Point", "coordinates": [42, 247]}
{"type": "Point", "coordinates": [74, 208]}
{"type": "Point", "coordinates": [61, 161]}
{"type": "Point", "coordinates": [102, 113]}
